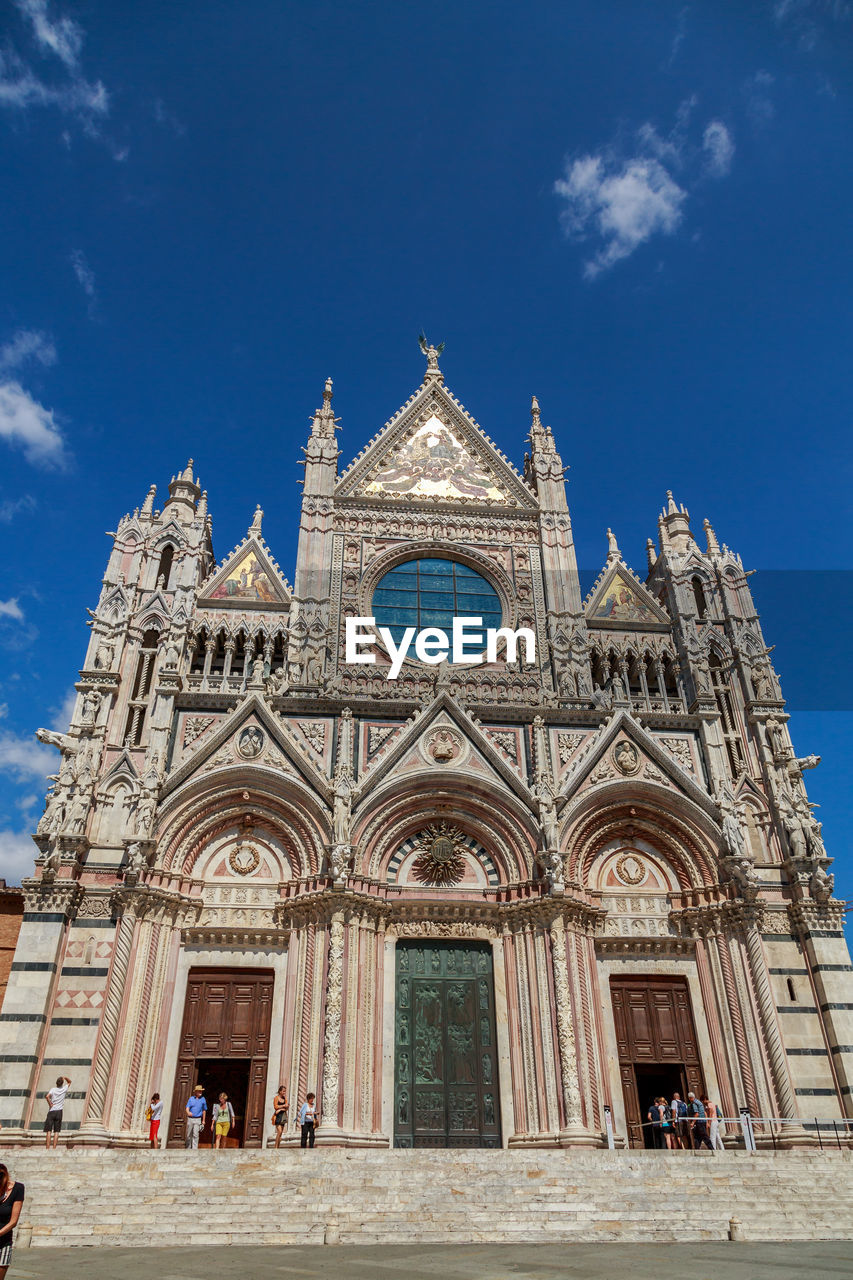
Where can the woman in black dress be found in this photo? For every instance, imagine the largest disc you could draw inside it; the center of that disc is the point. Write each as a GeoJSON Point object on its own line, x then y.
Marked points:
{"type": "Point", "coordinates": [11, 1203]}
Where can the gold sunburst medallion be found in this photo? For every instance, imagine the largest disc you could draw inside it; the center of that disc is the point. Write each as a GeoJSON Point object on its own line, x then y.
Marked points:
{"type": "Point", "coordinates": [440, 859]}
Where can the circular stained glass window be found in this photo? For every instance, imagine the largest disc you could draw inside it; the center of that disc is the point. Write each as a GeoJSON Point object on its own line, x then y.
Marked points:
{"type": "Point", "coordinates": [430, 593]}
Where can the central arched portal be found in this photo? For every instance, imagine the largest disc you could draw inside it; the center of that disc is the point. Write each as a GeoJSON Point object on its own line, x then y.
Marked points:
{"type": "Point", "coordinates": [445, 1047]}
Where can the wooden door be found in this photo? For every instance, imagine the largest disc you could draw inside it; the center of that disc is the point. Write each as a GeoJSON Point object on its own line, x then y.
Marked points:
{"type": "Point", "coordinates": [227, 1016]}
{"type": "Point", "coordinates": [654, 1028]}
{"type": "Point", "coordinates": [445, 1075]}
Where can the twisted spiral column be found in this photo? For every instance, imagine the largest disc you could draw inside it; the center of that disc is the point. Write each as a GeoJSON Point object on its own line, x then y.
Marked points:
{"type": "Point", "coordinates": [332, 1035]}
{"type": "Point", "coordinates": [102, 1065]}
{"type": "Point", "coordinates": [769, 1025]}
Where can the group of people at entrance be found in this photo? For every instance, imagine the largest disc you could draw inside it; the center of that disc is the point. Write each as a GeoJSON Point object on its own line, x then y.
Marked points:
{"type": "Point", "coordinates": [685, 1126]}
{"type": "Point", "coordinates": [223, 1118]}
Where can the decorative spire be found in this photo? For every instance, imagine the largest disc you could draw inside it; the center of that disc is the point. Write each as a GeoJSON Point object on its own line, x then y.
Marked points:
{"type": "Point", "coordinates": [325, 422]}
{"type": "Point", "coordinates": [651, 554]}
{"type": "Point", "coordinates": [201, 509]}
{"type": "Point", "coordinates": [613, 552]}
{"type": "Point", "coordinates": [257, 519]}
{"type": "Point", "coordinates": [148, 504]}
{"type": "Point", "coordinates": [184, 493]}
{"type": "Point", "coordinates": [536, 420]}
{"type": "Point", "coordinates": [663, 533]}
{"type": "Point", "coordinates": [677, 522]}
{"type": "Point", "coordinates": [713, 544]}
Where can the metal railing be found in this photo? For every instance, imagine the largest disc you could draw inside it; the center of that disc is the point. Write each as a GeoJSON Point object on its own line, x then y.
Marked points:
{"type": "Point", "coordinates": [747, 1131]}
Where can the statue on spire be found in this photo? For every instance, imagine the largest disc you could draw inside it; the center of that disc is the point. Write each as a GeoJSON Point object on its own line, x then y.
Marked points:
{"type": "Point", "coordinates": [432, 353]}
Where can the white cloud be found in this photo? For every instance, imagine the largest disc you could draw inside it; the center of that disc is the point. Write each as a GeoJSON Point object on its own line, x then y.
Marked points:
{"type": "Point", "coordinates": [759, 104]}
{"type": "Point", "coordinates": [27, 344]}
{"type": "Point", "coordinates": [623, 201]}
{"type": "Point", "coordinates": [25, 422]}
{"type": "Point", "coordinates": [805, 18]}
{"type": "Point", "coordinates": [719, 149]}
{"type": "Point", "coordinates": [26, 758]}
{"type": "Point", "coordinates": [14, 506]}
{"type": "Point", "coordinates": [17, 854]}
{"type": "Point", "coordinates": [21, 88]}
{"type": "Point", "coordinates": [62, 36]}
{"type": "Point", "coordinates": [84, 273]}
{"type": "Point", "coordinates": [11, 609]}
{"type": "Point", "coordinates": [625, 205]}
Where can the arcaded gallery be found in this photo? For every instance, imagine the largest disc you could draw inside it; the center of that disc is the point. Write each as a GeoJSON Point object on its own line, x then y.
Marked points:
{"type": "Point", "coordinates": [471, 895]}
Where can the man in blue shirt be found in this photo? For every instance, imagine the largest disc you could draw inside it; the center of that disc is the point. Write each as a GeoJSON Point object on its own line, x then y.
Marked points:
{"type": "Point", "coordinates": [196, 1115]}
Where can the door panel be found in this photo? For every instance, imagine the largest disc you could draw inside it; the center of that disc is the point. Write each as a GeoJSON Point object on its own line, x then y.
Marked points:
{"type": "Point", "coordinates": [227, 1014]}
{"type": "Point", "coordinates": [445, 1065]}
{"type": "Point", "coordinates": [654, 1026]}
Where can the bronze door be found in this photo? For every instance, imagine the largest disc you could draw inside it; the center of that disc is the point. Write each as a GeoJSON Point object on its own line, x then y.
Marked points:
{"type": "Point", "coordinates": [445, 1050]}
{"type": "Point", "coordinates": [227, 1017]}
{"type": "Point", "coordinates": [656, 1038]}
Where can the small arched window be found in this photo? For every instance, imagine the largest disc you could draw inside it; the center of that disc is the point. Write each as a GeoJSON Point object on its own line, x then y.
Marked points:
{"type": "Point", "coordinates": [792, 990]}
{"type": "Point", "coordinates": [699, 596]}
{"type": "Point", "coordinates": [164, 569]}
{"type": "Point", "coordinates": [141, 688]}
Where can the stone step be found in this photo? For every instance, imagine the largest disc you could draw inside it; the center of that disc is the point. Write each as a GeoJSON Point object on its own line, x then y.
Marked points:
{"type": "Point", "coordinates": [139, 1198]}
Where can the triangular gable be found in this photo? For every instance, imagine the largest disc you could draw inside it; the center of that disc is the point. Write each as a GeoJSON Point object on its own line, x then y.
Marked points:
{"type": "Point", "coordinates": [222, 749]}
{"type": "Point", "coordinates": [445, 711]}
{"type": "Point", "coordinates": [433, 451]}
{"type": "Point", "coordinates": [619, 599]}
{"type": "Point", "coordinates": [248, 578]}
{"type": "Point", "coordinates": [598, 764]}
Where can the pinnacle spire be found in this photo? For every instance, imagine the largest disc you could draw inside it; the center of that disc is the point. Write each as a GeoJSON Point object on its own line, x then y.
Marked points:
{"type": "Point", "coordinates": [148, 504]}
{"type": "Point", "coordinates": [651, 554]}
{"type": "Point", "coordinates": [713, 544]}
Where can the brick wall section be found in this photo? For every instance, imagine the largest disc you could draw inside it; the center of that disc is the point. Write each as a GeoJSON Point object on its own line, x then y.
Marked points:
{"type": "Point", "coordinates": [11, 911]}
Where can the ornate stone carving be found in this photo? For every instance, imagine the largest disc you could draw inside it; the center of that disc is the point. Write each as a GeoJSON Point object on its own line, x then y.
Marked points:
{"type": "Point", "coordinates": [195, 726]}
{"type": "Point", "coordinates": [631, 869]}
{"type": "Point", "coordinates": [626, 757]}
{"type": "Point", "coordinates": [565, 1030]}
{"type": "Point", "coordinates": [332, 1031]}
{"type": "Point", "coordinates": [314, 734]}
{"type": "Point", "coordinates": [377, 736]}
{"type": "Point", "coordinates": [567, 745]}
{"type": "Point", "coordinates": [244, 859]}
{"type": "Point", "coordinates": [441, 858]}
{"type": "Point", "coordinates": [679, 749]}
{"type": "Point", "coordinates": [251, 741]}
{"type": "Point", "coordinates": [443, 745]}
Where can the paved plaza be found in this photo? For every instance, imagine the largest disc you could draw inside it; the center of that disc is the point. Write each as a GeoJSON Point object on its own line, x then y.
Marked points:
{"type": "Point", "coordinates": [825, 1260]}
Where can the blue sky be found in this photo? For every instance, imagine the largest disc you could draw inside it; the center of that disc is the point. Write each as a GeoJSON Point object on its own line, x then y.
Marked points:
{"type": "Point", "coordinates": [639, 212]}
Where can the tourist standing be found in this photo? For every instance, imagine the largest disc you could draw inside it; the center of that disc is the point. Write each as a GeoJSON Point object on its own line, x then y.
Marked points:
{"type": "Point", "coordinates": [196, 1110]}
{"type": "Point", "coordinates": [55, 1102]}
{"type": "Point", "coordinates": [712, 1111]}
{"type": "Point", "coordinates": [155, 1115]}
{"type": "Point", "coordinates": [678, 1107]}
{"type": "Point", "coordinates": [698, 1122]}
{"type": "Point", "coordinates": [223, 1118]}
{"type": "Point", "coordinates": [308, 1120]}
{"type": "Point", "coordinates": [280, 1109]}
{"type": "Point", "coordinates": [11, 1203]}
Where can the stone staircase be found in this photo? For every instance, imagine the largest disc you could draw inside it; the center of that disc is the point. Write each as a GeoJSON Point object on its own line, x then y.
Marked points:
{"type": "Point", "coordinates": [84, 1196]}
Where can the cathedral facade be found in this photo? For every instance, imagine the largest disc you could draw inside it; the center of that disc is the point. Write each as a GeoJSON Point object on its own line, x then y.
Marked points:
{"type": "Point", "coordinates": [486, 900]}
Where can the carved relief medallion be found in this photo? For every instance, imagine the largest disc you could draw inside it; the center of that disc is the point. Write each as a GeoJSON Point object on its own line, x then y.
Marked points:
{"type": "Point", "coordinates": [626, 757]}
{"type": "Point", "coordinates": [244, 859]}
{"type": "Point", "coordinates": [630, 869]}
{"type": "Point", "coordinates": [251, 742]}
